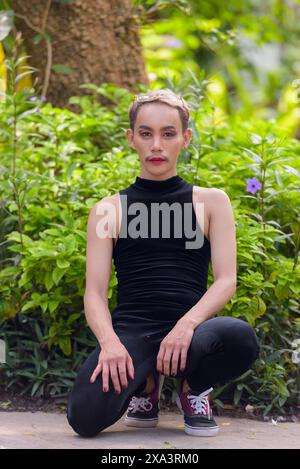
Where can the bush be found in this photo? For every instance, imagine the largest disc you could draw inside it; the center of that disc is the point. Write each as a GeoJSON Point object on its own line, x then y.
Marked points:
{"type": "Point", "coordinates": [57, 164]}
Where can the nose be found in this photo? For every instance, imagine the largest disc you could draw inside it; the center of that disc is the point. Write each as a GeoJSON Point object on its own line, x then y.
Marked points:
{"type": "Point", "coordinates": [156, 144]}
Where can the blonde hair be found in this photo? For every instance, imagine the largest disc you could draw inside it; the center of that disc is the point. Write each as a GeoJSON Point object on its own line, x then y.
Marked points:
{"type": "Point", "coordinates": [164, 96]}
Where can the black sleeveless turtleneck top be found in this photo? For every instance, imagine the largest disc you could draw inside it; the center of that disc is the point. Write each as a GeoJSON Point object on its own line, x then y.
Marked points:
{"type": "Point", "coordinates": [159, 279]}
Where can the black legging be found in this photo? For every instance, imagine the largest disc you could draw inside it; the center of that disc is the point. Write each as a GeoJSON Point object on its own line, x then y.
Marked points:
{"type": "Point", "coordinates": [222, 348]}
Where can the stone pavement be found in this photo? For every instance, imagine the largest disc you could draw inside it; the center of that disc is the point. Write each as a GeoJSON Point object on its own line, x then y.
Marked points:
{"type": "Point", "coordinates": [51, 430]}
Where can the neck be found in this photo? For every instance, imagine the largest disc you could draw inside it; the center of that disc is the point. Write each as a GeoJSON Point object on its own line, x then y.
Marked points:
{"type": "Point", "coordinates": [157, 177]}
{"type": "Point", "coordinates": [164, 185]}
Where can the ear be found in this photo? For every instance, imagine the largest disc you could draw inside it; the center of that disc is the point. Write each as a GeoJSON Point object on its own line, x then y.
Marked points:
{"type": "Point", "coordinates": [129, 136]}
{"type": "Point", "coordinates": [187, 137]}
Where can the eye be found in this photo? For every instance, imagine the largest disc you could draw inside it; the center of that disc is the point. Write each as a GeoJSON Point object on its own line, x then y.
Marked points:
{"type": "Point", "coordinates": [169, 134]}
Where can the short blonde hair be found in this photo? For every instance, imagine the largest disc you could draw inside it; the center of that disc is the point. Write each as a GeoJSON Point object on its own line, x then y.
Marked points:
{"type": "Point", "coordinates": [164, 96]}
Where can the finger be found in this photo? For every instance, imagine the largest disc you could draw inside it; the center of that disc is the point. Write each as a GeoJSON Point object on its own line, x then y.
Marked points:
{"type": "Point", "coordinates": [115, 377]}
{"type": "Point", "coordinates": [159, 359]}
{"type": "Point", "coordinates": [175, 359]}
{"type": "Point", "coordinates": [130, 367]}
{"type": "Point", "coordinates": [96, 371]}
{"type": "Point", "coordinates": [183, 355]}
{"type": "Point", "coordinates": [166, 362]}
{"type": "Point", "coordinates": [105, 377]}
{"type": "Point", "coordinates": [122, 374]}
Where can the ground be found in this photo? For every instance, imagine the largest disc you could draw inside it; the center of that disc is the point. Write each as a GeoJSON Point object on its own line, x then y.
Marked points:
{"type": "Point", "coordinates": [10, 402]}
{"type": "Point", "coordinates": [42, 423]}
{"type": "Point", "coordinates": [24, 430]}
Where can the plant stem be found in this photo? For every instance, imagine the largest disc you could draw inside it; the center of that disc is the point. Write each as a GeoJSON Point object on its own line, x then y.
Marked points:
{"type": "Point", "coordinates": [262, 198]}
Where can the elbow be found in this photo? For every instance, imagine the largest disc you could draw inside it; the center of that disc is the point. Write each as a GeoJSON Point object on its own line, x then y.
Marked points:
{"type": "Point", "coordinates": [92, 296]}
{"type": "Point", "coordinates": [230, 285]}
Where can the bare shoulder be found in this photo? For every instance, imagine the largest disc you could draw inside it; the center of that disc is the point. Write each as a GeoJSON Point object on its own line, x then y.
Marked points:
{"type": "Point", "coordinates": [218, 212]}
{"type": "Point", "coordinates": [215, 201]}
{"type": "Point", "coordinates": [211, 196]}
{"type": "Point", "coordinates": [108, 205]}
{"type": "Point", "coordinates": [112, 198]}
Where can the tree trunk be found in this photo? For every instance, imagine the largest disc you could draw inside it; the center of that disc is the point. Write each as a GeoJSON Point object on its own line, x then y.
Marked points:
{"type": "Point", "coordinates": [98, 39]}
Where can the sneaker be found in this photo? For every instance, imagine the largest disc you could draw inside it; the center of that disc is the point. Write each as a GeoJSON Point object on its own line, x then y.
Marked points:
{"type": "Point", "coordinates": [198, 419]}
{"type": "Point", "coordinates": [143, 408]}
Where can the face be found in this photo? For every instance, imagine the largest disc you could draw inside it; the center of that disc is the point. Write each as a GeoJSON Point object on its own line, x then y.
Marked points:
{"type": "Point", "coordinates": [158, 133]}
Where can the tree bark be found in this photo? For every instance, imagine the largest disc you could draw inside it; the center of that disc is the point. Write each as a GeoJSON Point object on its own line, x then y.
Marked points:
{"type": "Point", "coordinates": [98, 39]}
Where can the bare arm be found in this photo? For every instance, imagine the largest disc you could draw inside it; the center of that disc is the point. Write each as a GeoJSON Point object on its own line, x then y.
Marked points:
{"type": "Point", "coordinates": [223, 258]}
{"type": "Point", "coordinates": [114, 360]}
{"type": "Point", "coordinates": [98, 271]}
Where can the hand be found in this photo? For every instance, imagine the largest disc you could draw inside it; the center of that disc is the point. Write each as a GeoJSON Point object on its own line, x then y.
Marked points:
{"type": "Point", "coordinates": [113, 357]}
{"type": "Point", "coordinates": [176, 343]}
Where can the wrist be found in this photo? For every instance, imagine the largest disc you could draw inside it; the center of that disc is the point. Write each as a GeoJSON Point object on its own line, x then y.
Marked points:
{"type": "Point", "coordinates": [109, 339]}
{"type": "Point", "coordinates": [188, 321]}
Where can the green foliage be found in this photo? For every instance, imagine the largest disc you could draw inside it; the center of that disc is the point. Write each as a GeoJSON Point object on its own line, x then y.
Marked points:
{"type": "Point", "coordinates": [32, 367]}
{"type": "Point", "coordinates": [250, 46]}
{"type": "Point", "coordinates": [56, 164]}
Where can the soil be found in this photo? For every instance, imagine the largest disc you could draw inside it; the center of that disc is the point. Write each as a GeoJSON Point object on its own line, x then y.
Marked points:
{"type": "Point", "coordinates": [10, 402]}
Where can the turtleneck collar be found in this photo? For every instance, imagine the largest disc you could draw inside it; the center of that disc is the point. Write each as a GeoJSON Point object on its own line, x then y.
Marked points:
{"type": "Point", "coordinates": [154, 185]}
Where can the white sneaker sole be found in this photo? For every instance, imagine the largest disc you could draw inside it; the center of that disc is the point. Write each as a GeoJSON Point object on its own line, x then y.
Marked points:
{"type": "Point", "coordinates": [141, 423]}
{"type": "Point", "coordinates": [145, 423]}
{"type": "Point", "coordinates": [213, 431]}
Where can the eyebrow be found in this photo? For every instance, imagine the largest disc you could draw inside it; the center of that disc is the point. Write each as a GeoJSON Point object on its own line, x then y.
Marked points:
{"type": "Point", "coordinates": [162, 128]}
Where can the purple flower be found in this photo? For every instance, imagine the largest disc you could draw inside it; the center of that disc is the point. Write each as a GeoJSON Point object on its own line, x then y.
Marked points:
{"type": "Point", "coordinates": [173, 42]}
{"type": "Point", "coordinates": [253, 185]}
{"type": "Point", "coordinates": [34, 98]}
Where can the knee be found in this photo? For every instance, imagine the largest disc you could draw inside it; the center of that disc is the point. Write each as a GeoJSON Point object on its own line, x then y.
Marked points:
{"type": "Point", "coordinates": [245, 343]}
{"type": "Point", "coordinates": [81, 420]}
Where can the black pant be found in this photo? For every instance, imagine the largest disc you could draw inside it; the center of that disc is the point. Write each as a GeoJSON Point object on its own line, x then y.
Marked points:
{"type": "Point", "coordinates": [222, 348]}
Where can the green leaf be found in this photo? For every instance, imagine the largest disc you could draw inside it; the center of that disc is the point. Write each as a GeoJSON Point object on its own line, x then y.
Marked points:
{"type": "Point", "coordinates": [62, 68]}
{"type": "Point", "coordinates": [37, 38]}
{"type": "Point", "coordinates": [73, 317]}
{"type": "Point", "coordinates": [70, 244]}
{"type": "Point", "coordinates": [237, 396]}
{"type": "Point", "coordinates": [62, 263]}
{"type": "Point", "coordinates": [48, 280]}
{"type": "Point", "coordinates": [281, 291]}
{"type": "Point", "coordinates": [65, 345]}
{"type": "Point", "coordinates": [44, 306]}
{"type": "Point", "coordinates": [282, 389]}
{"type": "Point", "coordinates": [53, 305]}
{"type": "Point", "coordinates": [24, 279]}
{"type": "Point", "coordinates": [29, 305]}
{"type": "Point", "coordinates": [57, 274]}
{"type": "Point", "coordinates": [35, 388]}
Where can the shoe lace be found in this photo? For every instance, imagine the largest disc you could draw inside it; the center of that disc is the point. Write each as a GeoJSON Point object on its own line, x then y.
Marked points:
{"type": "Point", "coordinates": [140, 403]}
{"type": "Point", "coordinates": [199, 403]}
